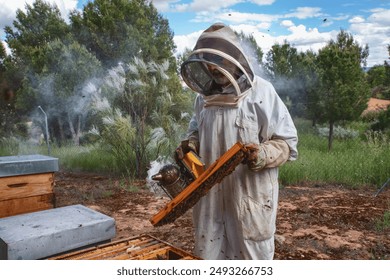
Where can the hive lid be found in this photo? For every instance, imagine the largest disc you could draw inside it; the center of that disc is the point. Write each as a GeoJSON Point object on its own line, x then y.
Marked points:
{"type": "Point", "coordinates": [27, 164]}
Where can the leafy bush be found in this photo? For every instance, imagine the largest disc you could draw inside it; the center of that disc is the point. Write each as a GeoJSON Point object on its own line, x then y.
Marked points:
{"type": "Point", "coordinates": [138, 123]}
{"type": "Point", "coordinates": [382, 121]}
{"type": "Point", "coordinates": [338, 132]}
{"type": "Point", "coordinates": [376, 138]}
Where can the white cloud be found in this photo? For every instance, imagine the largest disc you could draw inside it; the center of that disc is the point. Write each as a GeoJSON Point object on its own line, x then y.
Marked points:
{"type": "Point", "coordinates": [263, 2]}
{"type": "Point", "coordinates": [164, 5]}
{"type": "Point", "coordinates": [207, 5]}
{"type": "Point", "coordinates": [214, 14]}
{"type": "Point", "coordinates": [184, 42]}
{"type": "Point", "coordinates": [305, 12]}
{"type": "Point", "coordinates": [301, 37]}
{"type": "Point", "coordinates": [286, 23]}
{"type": "Point", "coordinates": [341, 17]}
{"type": "Point", "coordinates": [263, 39]}
{"type": "Point", "coordinates": [202, 5]}
{"type": "Point", "coordinates": [237, 17]}
{"type": "Point", "coordinates": [357, 19]}
{"type": "Point", "coordinates": [380, 16]}
{"type": "Point", "coordinates": [374, 31]}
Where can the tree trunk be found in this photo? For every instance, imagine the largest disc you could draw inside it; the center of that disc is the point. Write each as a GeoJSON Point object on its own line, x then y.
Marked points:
{"type": "Point", "coordinates": [330, 136]}
{"type": "Point", "coordinates": [61, 130]}
{"type": "Point", "coordinates": [75, 133]}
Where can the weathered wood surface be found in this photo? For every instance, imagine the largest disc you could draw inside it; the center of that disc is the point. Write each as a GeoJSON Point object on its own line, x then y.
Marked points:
{"type": "Point", "coordinates": [26, 193]}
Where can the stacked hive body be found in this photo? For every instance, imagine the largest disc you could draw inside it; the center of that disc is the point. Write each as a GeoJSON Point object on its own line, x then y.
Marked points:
{"type": "Point", "coordinates": [143, 247]}
{"type": "Point", "coordinates": [26, 184]}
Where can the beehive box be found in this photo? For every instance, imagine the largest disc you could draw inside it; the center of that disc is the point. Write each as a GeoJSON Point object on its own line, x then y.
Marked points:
{"type": "Point", "coordinates": [142, 247]}
{"type": "Point", "coordinates": [26, 184]}
{"type": "Point", "coordinates": [50, 232]}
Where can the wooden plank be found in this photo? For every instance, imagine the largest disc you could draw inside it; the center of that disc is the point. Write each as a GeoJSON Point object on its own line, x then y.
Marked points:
{"type": "Point", "coordinates": [144, 247]}
{"type": "Point", "coordinates": [26, 186]}
{"type": "Point", "coordinates": [154, 254]}
{"type": "Point", "coordinates": [98, 251]}
{"type": "Point", "coordinates": [23, 205]}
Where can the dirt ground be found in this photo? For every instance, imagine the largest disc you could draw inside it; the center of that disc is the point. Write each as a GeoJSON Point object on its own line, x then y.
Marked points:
{"type": "Point", "coordinates": [318, 222]}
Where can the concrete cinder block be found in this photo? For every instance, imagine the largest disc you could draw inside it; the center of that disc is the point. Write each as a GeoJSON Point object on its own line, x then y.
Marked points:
{"type": "Point", "coordinates": [50, 232]}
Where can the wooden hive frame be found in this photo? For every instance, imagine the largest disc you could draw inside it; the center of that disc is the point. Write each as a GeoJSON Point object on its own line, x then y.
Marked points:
{"type": "Point", "coordinates": [143, 247]}
{"type": "Point", "coordinates": [188, 197]}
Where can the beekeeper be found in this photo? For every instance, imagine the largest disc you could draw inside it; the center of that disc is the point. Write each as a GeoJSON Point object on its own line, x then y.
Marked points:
{"type": "Point", "coordinates": [237, 217]}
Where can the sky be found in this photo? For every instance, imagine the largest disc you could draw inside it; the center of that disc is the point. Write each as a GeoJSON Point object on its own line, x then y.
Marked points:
{"type": "Point", "coordinates": [305, 24]}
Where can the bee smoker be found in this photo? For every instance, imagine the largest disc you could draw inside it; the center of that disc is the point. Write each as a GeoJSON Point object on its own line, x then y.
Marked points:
{"type": "Point", "coordinates": [174, 178]}
{"type": "Point", "coordinates": [169, 180]}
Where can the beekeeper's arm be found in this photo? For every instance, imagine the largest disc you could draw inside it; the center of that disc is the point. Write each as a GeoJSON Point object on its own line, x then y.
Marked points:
{"type": "Point", "coordinates": [280, 148]}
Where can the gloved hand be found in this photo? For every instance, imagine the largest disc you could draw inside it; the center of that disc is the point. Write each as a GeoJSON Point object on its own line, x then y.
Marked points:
{"type": "Point", "coordinates": [185, 147]}
{"type": "Point", "coordinates": [254, 157]}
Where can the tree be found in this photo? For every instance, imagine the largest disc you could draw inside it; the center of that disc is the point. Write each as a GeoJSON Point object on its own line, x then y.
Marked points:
{"type": "Point", "coordinates": [33, 29]}
{"type": "Point", "coordinates": [138, 114]}
{"type": "Point", "coordinates": [344, 91]}
{"type": "Point", "coordinates": [7, 112]}
{"type": "Point", "coordinates": [306, 79]}
{"type": "Point", "coordinates": [55, 70]}
{"type": "Point", "coordinates": [117, 30]}
{"type": "Point", "coordinates": [289, 71]}
{"type": "Point", "coordinates": [28, 39]}
{"type": "Point", "coordinates": [10, 80]}
{"type": "Point", "coordinates": [62, 88]}
{"type": "Point", "coordinates": [376, 76]}
{"type": "Point", "coordinates": [280, 61]}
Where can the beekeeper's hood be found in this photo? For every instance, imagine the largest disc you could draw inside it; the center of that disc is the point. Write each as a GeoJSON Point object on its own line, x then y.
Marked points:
{"type": "Point", "coordinates": [218, 52]}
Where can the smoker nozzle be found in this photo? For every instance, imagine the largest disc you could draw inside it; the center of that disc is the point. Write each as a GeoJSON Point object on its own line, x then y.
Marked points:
{"type": "Point", "coordinates": [157, 177]}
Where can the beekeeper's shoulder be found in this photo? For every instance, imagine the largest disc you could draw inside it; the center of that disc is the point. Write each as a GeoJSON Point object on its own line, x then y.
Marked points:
{"type": "Point", "coordinates": [263, 90]}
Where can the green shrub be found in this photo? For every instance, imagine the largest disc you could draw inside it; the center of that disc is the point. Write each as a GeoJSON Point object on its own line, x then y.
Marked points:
{"type": "Point", "coordinates": [338, 132]}
{"type": "Point", "coordinates": [383, 120]}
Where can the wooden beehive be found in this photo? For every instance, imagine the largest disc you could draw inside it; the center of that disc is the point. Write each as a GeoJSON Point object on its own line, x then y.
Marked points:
{"type": "Point", "coordinates": [143, 247]}
{"type": "Point", "coordinates": [26, 184]}
{"type": "Point", "coordinates": [25, 194]}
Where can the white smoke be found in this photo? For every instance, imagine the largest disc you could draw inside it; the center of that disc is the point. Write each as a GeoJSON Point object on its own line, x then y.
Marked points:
{"type": "Point", "coordinates": [155, 167]}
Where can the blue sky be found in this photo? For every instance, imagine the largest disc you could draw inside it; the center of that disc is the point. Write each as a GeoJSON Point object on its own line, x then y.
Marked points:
{"type": "Point", "coordinates": [306, 24]}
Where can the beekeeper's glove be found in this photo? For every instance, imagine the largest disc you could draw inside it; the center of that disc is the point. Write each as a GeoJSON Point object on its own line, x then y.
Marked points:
{"type": "Point", "coordinates": [185, 147]}
{"type": "Point", "coordinates": [255, 157]}
{"type": "Point", "coordinates": [272, 153]}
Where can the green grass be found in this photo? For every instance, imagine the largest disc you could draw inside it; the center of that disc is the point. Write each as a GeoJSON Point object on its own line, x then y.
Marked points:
{"type": "Point", "coordinates": [89, 158]}
{"type": "Point", "coordinates": [352, 162]}
{"type": "Point", "coordinates": [71, 158]}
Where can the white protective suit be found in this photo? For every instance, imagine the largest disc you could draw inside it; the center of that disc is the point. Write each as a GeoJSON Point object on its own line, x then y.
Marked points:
{"type": "Point", "coordinates": [236, 219]}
